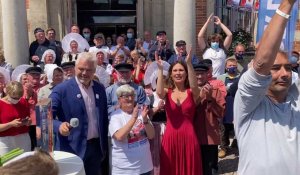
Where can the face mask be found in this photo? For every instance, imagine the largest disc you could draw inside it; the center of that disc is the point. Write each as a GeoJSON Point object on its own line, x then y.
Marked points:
{"type": "Point", "coordinates": [239, 56]}
{"type": "Point", "coordinates": [129, 35]}
{"type": "Point", "coordinates": [293, 60]}
{"type": "Point", "coordinates": [12, 101]}
{"type": "Point", "coordinates": [87, 36]}
{"type": "Point", "coordinates": [214, 45]}
{"type": "Point", "coordinates": [232, 70]}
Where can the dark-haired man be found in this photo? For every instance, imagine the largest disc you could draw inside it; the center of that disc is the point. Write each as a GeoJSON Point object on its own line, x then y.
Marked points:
{"type": "Point", "coordinates": [266, 107]}
{"type": "Point", "coordinates": [39, 46]}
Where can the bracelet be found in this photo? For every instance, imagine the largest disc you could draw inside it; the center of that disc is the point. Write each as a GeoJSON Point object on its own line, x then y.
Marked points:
{"type": "Point", "coordinates": [282, 14]}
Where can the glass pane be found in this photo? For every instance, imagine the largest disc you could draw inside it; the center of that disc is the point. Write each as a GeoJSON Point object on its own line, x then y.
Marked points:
{"type": "Point", "coordinates": [101, 1]}
{"type": "Point", "coordinates": [125, 2]}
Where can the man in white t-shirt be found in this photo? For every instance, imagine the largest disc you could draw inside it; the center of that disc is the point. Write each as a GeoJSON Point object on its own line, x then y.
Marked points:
{"type": "Point", "coordinates": [267, 107]}
{"type": "Point", "coordinates": [99, 41]}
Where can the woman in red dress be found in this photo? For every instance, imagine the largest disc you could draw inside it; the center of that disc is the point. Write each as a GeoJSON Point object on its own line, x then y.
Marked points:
{"type": "Point", "coordinates": [180, 151]}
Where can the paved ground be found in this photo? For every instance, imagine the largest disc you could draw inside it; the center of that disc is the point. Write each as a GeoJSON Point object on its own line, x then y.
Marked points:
{"type": "Point", "coordinates": [229, 164]}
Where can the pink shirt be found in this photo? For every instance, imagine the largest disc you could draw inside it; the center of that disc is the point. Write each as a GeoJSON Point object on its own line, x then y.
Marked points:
{"type": "Point", "coordinates": [91, 110]}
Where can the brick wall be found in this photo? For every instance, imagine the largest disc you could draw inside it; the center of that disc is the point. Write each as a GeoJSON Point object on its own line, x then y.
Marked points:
{"type": "Point", "coordinates": [201, 16]}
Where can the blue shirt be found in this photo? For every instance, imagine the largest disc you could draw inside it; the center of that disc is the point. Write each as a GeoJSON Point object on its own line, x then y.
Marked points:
{"type": "Point", "coordinates": [112, 99]}
{"type": "Point", "coordinates": [175, 58]}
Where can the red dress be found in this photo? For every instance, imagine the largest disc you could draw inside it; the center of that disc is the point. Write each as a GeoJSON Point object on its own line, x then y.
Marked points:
{"type": "Point", "coordinates": [180, 151]}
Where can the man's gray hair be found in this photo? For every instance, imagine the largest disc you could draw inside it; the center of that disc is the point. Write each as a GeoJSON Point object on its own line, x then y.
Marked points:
{"type": "Point", "coordinates": [125, 89]}
{"type": "Point", "coordinates": [86, 56]}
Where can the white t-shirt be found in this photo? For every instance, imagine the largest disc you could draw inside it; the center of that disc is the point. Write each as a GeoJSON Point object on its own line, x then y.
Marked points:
{"type": "Point", "coordinates": [218, 58]}
{"type": "Point", "coordinates": [268, 133]}
{"type": "Point", "coordinates": [131, 156]}
{"type": "Point", "coordinates": [156, 100]}
{"type": "Point", "coordinates": [295, 77]}
{"type": "Point", "coordinates": [105, 48]}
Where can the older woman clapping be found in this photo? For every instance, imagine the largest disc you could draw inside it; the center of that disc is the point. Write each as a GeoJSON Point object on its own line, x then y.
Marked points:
{"type": "Point", "coordinates": [130, 130]}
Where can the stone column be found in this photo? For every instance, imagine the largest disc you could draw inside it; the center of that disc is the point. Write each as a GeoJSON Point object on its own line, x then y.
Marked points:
{"type": "Point", "coordinates": [15, 33]}
{"type": "Point", "coordinates": [185, 22]}
{"type": "Point", "coordinates": [140, 18]}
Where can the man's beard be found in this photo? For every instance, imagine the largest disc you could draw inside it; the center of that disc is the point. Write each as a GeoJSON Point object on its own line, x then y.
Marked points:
{"type": "Point", "coordinates": [124, 81]}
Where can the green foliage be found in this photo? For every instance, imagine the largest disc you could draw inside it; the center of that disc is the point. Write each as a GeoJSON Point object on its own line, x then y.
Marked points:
{"type": "Point", "coordinates": [239, 36]}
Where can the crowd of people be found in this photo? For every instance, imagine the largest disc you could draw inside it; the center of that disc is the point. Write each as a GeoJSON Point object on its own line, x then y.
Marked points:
{"type": "Point", "coordinates": [146, 108]}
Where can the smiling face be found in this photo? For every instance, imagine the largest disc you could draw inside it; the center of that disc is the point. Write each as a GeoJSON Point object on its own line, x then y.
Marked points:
{"type": "Point", "coordinates": [178, 73]}
{"type": "Point", "coordinates": [281, 72]}
{"type": "Point", "coordinates": [100, 58]}
{"type": "Point", "coordinates": [58, 76]}
{"type": "Point", "coordinates": [74, 45]}
{"type": "Point", "coordinates": [126, 102]}
{"type": "Point", "coordinates": [85, 71]}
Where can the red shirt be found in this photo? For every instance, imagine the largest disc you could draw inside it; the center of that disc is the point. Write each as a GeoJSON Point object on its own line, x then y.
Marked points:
{"type": "Point", "coordinates": [9, 112]}
{"type": "Point", "coordinates": [140, 78]}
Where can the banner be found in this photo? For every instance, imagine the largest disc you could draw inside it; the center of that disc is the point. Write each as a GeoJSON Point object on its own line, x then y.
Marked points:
{"type": "Point", "coordinates": [266, 11]}
{"type": "Point", "coordinates": [256, 5]}
{"type": "Point", "coordinates": [248, 4]}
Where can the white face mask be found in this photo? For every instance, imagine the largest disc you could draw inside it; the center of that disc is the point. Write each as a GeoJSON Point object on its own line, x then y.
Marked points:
{"type": "Point", "coordinates": [12, 101]}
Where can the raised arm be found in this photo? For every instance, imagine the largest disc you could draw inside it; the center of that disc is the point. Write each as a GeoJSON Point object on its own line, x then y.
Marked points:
{"type": "Point", "coordinates": [160, 91]}
{"type": "Point", "coordinates": [192, 76]}
{"type": "Point", "coordinates": [271, 39]}
{"type": "Point", "coordinates": [123, 132]}
{"type": "Point", "coordinates": [201, 39]}
{"type": "Point", "coordinates": [228, 39]}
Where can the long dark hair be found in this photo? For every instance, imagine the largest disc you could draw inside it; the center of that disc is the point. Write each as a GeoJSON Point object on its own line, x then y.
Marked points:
{"type": "Point", "coordinates": [170, 81]}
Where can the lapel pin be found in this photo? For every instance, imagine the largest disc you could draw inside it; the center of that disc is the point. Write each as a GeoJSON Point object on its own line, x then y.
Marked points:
{"type": "Point", "coordinates": [78, 95]}
{"type": "Point", "coordinates": [97, 96]}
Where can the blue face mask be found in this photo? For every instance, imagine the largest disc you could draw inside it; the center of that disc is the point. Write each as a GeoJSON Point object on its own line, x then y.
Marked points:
{"type": "Point", "coordinates": [214, 45]}
{"type": "Point", "coordinates": [129, 35]}
{"type": "Point", "coordinates": [231, 70]}
{"type": "Point", "coordinates": [293, 60]}
{"type": "Point", "coordinates": [239, 56]}
{"type": "Point", "coordinates": [87, 36]}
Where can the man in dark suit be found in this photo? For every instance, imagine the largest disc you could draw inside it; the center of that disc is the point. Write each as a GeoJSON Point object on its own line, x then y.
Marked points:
{"type": "Point", "coordinates": [84, 99]}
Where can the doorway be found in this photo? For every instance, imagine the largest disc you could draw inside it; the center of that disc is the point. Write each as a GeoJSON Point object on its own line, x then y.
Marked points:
{"type": "Point", "coordinates": [107, 16]}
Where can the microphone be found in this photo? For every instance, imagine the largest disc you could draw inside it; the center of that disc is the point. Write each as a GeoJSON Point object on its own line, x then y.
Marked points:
{"type": "Point", "coordinates": [74, 122]}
